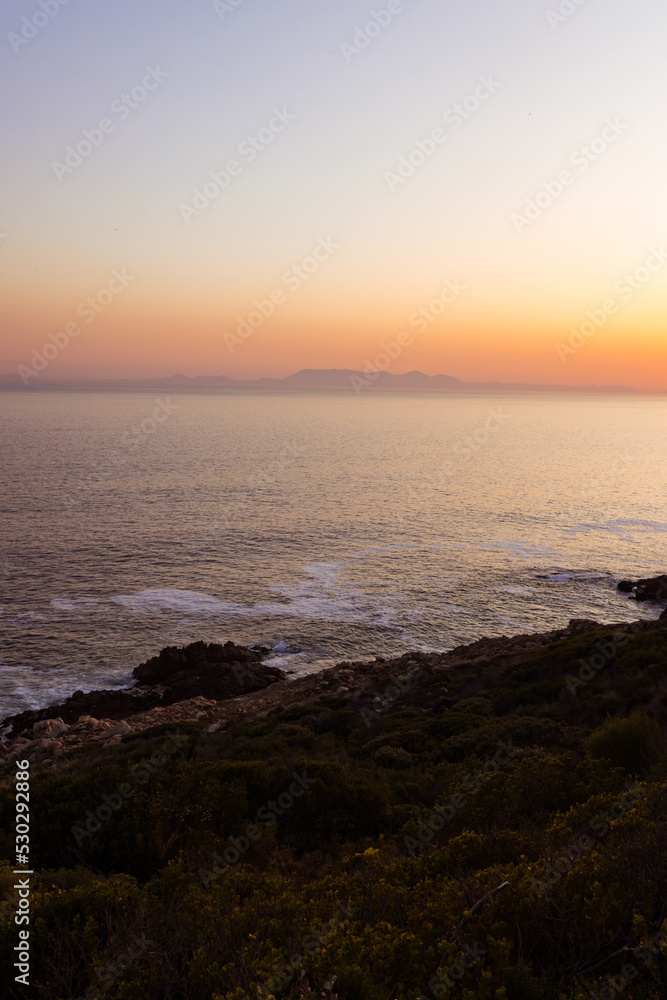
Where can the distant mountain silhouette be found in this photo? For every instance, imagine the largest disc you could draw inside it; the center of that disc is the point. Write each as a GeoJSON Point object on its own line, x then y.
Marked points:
{"type": "Point", "coordinates": [346, 379]}
{"type": "Point", "coordinates": [200, 379]}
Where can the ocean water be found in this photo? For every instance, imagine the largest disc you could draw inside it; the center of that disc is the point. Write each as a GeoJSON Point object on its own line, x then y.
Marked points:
{"type": "Point", "coordinates": [323, 526]}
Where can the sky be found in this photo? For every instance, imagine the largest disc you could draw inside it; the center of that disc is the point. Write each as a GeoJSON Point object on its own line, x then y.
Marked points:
{"type": "Point", "coordinates": [250, 188]}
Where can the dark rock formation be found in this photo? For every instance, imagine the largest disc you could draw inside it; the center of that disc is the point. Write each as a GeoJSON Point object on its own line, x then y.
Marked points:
{"type": "Point", "coordinates": [211, 670]}
{"type": "Point", "coordinates": [99, 704]}
{"type": "Point", "coordinates": [653, 589]}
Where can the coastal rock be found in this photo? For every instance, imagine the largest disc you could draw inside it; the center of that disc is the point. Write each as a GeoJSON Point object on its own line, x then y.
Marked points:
{"type": "Point", "coordinates": [37, 749]}
{"type": "Point", "coordinates": [160, 669]}
{"type": "Point", "coordinates": [652, 589]}
{"type": "Point", "coordinates": [120, 729]}
{"type": "Point", "coordinates": [580, 626]}
{"type": "Point", "coordinates": [209, 672]}
{"type": "Point", "coordinates": [206, 669]}
{"type": "Point", "coordinates": [86, 722]}
{"type": "Point", "coordinates": [49, 728]}
{"type": "Point", "coordinates": [107, 704]}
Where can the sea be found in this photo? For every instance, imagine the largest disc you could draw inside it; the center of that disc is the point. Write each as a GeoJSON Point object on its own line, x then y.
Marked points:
{"type": "Point", "coordinates": [323, 526]}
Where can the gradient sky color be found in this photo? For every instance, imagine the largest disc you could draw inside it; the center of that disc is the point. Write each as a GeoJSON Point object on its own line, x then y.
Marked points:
{"type": "Point", "coordinates": [228, 67]}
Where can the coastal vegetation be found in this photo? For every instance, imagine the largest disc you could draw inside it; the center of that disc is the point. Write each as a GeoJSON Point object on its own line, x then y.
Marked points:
{"type": "Point", "coordinates": [490, 825]}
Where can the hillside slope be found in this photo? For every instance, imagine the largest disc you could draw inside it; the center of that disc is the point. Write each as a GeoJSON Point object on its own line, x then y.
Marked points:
{"type": "Point", "coordinates": [490, 822]}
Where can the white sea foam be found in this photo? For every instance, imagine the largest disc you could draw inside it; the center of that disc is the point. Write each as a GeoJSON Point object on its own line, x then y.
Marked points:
{"type": "Point", "coordinates": [515, 547]}
{"type": "Point", "coordinates": [25, 688]}
{"type": "Point", "coordinates": [621, 527]}
{"type": "Point", "coordinates": [320, 596]}
{"type": "Point", "coordinates": [289, 662]}
{"type": "Point", "coordinates": [417, 644]}
{"type": "Point", "coordinates": [578, 576]}
{"type": "Point", "coordinates": [403, 547]}
{"type": "Point", "coordinates": [514, 624]}
{"type": "Point", "coordinates": [149, 601]}
{"type": "Point", "coordinates": [283, 646]}
{"type": "Point", "coordinates": [75, 604]}
{"type": "Point", "coordinates": [657, 526]}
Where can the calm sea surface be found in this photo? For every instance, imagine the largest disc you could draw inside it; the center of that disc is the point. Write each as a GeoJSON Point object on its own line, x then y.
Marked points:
{"type": "Point", "coordinates": [324, 526]}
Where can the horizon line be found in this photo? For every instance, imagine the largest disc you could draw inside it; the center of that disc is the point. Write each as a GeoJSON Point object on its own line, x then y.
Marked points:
{"type": "Point", "coordinates": [315, 379]}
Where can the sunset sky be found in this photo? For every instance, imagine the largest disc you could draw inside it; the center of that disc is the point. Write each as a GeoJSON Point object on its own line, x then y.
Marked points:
{"type": "Point", "coordinates": [378, 152]}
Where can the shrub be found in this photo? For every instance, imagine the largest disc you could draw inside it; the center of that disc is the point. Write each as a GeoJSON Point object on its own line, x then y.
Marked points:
{"type": "Point", "coordinates": [394, 757]}
{"type": "Point", "coordinates": [477, 705]}
{"type": "Point", "coordinates": [633, 742]}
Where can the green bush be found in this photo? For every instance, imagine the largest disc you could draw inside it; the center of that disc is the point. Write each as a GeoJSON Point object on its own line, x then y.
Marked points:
{"type": "Point", "coordinates": [394, 757]}
{"type": "Point", "coordinates": [478, 705]}
{"type": "Point", "coordinates": [633, 742]}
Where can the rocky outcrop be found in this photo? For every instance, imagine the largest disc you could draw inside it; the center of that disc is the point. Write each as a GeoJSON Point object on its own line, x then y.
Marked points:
{"type": "Point", "coordinates": [504, 645]}
{"type": "Point", "coordinates": [96, 704]}
{"type": "Point", "coordinates": [199, 670]}
{"type": "Point", "coordinates": [653, 589]}
{"type": "Point", "coordinates": [231, 683]}
{"type": "Point", "coordinates": [50, 729]}
{"type": "Point", "coordinates": [210, 670]}
{"type": "Point", "coordinates": [52, 738]}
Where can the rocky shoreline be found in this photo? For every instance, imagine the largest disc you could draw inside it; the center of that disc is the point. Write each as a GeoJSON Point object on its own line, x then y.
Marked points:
{"type": "Point", "coordinates": [199, 670]}
{"type": "Point", "coordinates": [653, 589]}
{"type": "Point", "coordinates": [220, 684]}
{"type": "Point", "coordinates": [410, 790]}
